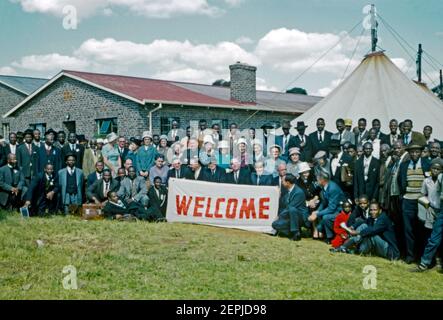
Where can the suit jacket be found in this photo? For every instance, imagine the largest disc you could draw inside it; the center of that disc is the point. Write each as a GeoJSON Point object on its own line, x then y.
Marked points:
{"type": "Point", "coordinates": [62, 181]}
{"type": "Point", "coordinates": [306, 151]}
{"type": "Point", "coordinates": [364, 137]}
{"type": "Point", "coordinates": [201, 175]}
{"type": "Point", "coordinates": [386, 139]}
{"type": "Point", "coordinates": [145, 158]}
{"type": "Point", "coordinates": [320, 146]}
{"type": "Point", "coordinates": [7, 150]}
{"type": "Point", "coordinates": [92, 177]}
{"type": "Point", "coordinates": [279, 141]}
{"type": "Point", "coordinates": [243, 177]}
{"type": "Point", "coordinates": [27, 162]}
{"type": "Point", "coordinates": [347, 136]}
{"type": "Point", "coordinates": [156, 203]}
{"type": "Point", "coordinates": [331, 199]}
{"type": "Point", "coordinates": [7, 180]}
{"type": "Point", "coordinates": [54, 157]}
{"type": "Point", "coordinates": [79, 152]}
{"type": "Point", "coordinates": [96, 189]}
{"type": "Point", "coordinates": [218, 176]}
{"type": "Point", "coordinates": [417, 138]}
{"type": "Point", "coordinates": [294, 205]}
{"type": "Point", "coordinates": [89, 161]}
{"type": "Point", "coordinates": [370, 187]}
{"type": "Point", "coordinates": [37, 189]}
{"type": "Point", "coordinates": [265, 180]}
{"type": "Point", "coordinates": [123, 155]}
{"type": "Point", "coordinates": [345, 159]}
{"type": "Point", "coordinates": [185, 173]}
{"type": "Point", "coordinates": [403, 173]}
{"type": "Point", "coordinates": [178, 136]}
{"type": "Point", "coordinates": [384, 228]}
{"type": "Point", "coordinates": [125, 191]}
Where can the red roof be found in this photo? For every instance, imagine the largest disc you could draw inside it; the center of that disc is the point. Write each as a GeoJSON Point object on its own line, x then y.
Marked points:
{"type": "Point", "coordinates": [149, 89]}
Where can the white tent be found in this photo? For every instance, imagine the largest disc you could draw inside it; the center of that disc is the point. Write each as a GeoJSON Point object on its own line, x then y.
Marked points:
{"type": "Point", "coordinates": [377, 89]}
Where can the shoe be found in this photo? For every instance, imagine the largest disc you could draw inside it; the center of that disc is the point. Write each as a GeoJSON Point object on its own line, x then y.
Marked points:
{"type": "Point", "coordinates": [295, 237]}
{"type": "Point", "coordinates": [334, 250]}
{"type": "Point", "coordinates": [409, 260]}
{"type": "Point", "coordinates": [420, 268]}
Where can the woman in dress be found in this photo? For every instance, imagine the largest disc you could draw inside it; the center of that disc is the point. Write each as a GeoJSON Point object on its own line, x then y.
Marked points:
{"type": "Point", "coordinates": [294, 162]}
{"type": "Point", "coordinates": [111, 156]}
{"type": "Point", "coordinates": [274, 160]}
{"type": "Point", "coordinates": [163, 148]}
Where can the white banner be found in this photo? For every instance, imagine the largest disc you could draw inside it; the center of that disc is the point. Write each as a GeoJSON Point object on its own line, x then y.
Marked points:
{"type": "Point", "coordinates": [251, 208]}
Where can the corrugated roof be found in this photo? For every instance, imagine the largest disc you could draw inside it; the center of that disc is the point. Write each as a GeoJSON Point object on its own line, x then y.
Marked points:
{"type": "Point", "coordinates": [25, 85]}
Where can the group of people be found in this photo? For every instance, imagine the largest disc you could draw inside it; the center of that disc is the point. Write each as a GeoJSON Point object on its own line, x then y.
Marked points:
{"type": "Point", "coordinates": [358, 189]}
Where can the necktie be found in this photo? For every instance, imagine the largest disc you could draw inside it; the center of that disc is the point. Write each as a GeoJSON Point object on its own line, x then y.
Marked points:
{"type": "Point", "coordinates": [236, 176]}
{"type": "Point", "coordinates": [73, 148]}
{"type": "Point", "coordinates": [302, 139]}
{"type": "Point", "coordinates": [341, 135]}
{"type": "Point", "coordinates": [414, 165]}
{"type": "Point", "coordinates": [320, 138]}
{"type": "Point", "coordinates": [30, 148]}
{"type": "Point", "coordinates": [406, 140]}
{"type": "Point", "coordinates": [258, 180]}
{"type": "Point", "coordinates": [106, 188]}
{"type": "Point", "coordinates": [286, 142]}
{"type": "Point", "coordinates": [177, 174]}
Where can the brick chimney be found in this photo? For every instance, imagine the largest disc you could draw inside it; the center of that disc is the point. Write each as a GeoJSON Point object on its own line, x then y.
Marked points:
{"type": "Point", "coordinates": [243, 83]}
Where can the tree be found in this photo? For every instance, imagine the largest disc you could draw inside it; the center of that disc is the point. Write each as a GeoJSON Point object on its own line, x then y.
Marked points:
{"type": "Point", "coordinates": [296, 90]}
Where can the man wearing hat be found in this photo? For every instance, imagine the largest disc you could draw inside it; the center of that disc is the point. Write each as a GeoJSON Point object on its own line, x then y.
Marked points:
{"type": "Point", "coordinates": [134, 145]}
{"type": "Point", "coordinates": [72, 147]}
{"type": "Point", "coordinates": [121, 147]}
{"type": "Point", "coordinates": [48, 153]}
{"type": "Point", "coordinates": [342, 133]}
{"type": "Point", "coordinates": [411, 175]}
{"type": "Point", "coordinates": [321, 138]}
{"type": "Point", "coordinates": [176, 133]}
{"type": "Point", "coordinates": [302, 142]}
{"type": "Point", "coordinates": [285, 141]}
{"type": "Point", "coordinates": [146, 155]}
{"type": "Point", "coordinates": [71, 181]}
{"type": "Point", "coordinates": [27, 157]}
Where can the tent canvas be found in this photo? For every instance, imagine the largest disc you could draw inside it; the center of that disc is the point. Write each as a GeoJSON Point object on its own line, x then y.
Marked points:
{"type": "Point", "coordinates": [377, 89]}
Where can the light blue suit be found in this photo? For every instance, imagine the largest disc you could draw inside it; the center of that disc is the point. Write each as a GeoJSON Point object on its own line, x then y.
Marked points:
{"type": "Point", "coordinates": [145, 158]}
{"type": "Point", "coordinates": [62, 180]}
{"type": "Point", "coordinates": [330, 207]}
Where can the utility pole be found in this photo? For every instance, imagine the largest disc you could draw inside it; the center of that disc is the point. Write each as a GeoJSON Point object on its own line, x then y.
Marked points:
{"type": "Point", "coordinates": [419, 55]}
{"type": "Point", "coordinates": [374, 27]}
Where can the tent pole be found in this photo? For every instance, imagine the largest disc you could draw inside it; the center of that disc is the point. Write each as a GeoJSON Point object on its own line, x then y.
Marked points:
{"type": "Point", "coordinates": [419, 55]}
{"type": "Point", "coordinates": [374, 26]}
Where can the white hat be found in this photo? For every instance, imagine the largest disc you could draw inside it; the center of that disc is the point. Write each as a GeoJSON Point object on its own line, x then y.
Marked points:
{"type": "Point", "coordinates": [208, 139]}
{"type": "Point", "coordinates": [294, 150]}
{"type": "Point", "coordinates": [257, 141]}
{"type": "Point", "coordinates": [111, 137]}
{"type": "Point", "coordinates": [207, 132]}
{"type": "Point", "coordinates": [100, 140]}
{"type": "Point", "coordinates": [303, 167]}
{"type": "Point", "coordinates": [105, 141]}
{"type": "Point", "coordinates": [223, 144]}
{"type": "Point", "coordinates": [242, 140]}
{"type": "Point", "coordinates": [147, 134]}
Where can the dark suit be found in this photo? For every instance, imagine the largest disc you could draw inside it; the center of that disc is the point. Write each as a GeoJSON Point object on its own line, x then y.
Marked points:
{"type": "Point", "coordinates": [330, 207]}
{"type": "Point", "coordinates": [371, 186]}
{"type": "Point", "coordinates": [201, 175]}
{"type": "Point", "coordinates": [157, 205]}
{"type": "Point", "coordinates": [217, 176]}
{"type": "Point", "coordinates": [7, 150]}
{"type": "Point", "coordinates": [123, 154]}
{"type": "Point", "coordinates": [184, 173]}
{"type": "Point", "coordinates": [36, 194]}
{"type": "Point", "coordinates": [135, 209]}
{"type": "Point", "coordinates": [11, 178]}
{"type": "Point", "coordinates": [79, 151]}
{"type": "Point", "coordinates": [27, 161]}
{"type": "Point", "coordinates": [91, 179]}
{"type": "Point", "coordinates": [265, 180]}
{"type": "Point", "coordinates": [416, 138]}
{"type": "Point", "coordinates": [293, 214]}
{"type": "Point", "coordinates": [363, 138]}
{"type": "Point", "coordinates": [306, 151]}
{"type": "Point", "coordinates": [243, 177]}
{"type": "Point", "coordinates": [316, 145]}
{"type": "Point", "coordinates": [96, 190]}
{"type": "Point", "coordinates": [345, 159]}
{"type": "Point", "coordinates": [53, 157]}
{"type": "Point", "coordinates": [279, 140]}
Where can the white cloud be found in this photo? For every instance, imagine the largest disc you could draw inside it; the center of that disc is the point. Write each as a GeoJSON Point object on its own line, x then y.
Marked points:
{"type": "Point", "coordinates": [244, 40]}
{"type": "Point", "coordinates": [148, 8]}
{"type": "Point", "coordinates": [234, 3]}
{"type": "Point", "coordinates": [51, 63]}
{"type": "Point", "coordinates": [263, 85]}
{"type": "Point", "coordinates": [8, 71]}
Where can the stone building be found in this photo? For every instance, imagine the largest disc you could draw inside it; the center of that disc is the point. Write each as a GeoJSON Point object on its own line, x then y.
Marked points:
{"type": "Point", "coordinates": [13, 90]}
{"type": "Point", "coordinates": [97, 104]}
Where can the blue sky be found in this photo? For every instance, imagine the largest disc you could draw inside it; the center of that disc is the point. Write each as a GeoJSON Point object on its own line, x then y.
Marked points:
{"type": "Point", "coordinates": [196, 40]}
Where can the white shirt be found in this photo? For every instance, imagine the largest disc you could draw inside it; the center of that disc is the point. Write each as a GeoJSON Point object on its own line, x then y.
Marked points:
{"type": "Point", "coordinates": [99, 175]}
{"type": "Point", "coordinates": [72, 147]}
{"type": "Point", "coordinates": [335, 162]}
{"type": "Point", "coordinates": [71, 170]}
{"type": "Point", "coordinates": [366, 164]}
{"type": "Point", "coordinates": [106, 186]}
{"type": "Point", "coordinates": [196, 173]}
{"type": "Point", "coordinates": [321, 136]}
{"type": "Point", "coordinates": [13, 148]}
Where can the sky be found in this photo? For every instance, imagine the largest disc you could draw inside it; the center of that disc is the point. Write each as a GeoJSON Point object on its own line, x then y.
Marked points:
{"type": "Point", "coordinates": [197, 40]}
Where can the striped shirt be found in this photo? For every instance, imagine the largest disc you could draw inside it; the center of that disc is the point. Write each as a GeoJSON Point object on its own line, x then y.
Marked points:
{"type": "Point", "coordinates": [414, 178]}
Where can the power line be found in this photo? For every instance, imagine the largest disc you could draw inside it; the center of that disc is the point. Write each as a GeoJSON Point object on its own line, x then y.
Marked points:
{"type": "Point", "coordinates": [353, 54]}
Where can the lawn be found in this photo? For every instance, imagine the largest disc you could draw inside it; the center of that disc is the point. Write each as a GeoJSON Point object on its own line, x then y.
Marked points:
{"type": "Point", "coordinates": [123, 260]}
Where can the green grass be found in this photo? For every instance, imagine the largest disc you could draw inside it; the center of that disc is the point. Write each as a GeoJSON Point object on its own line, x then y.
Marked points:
{"type": "Point", "coordinates": [117, 260]}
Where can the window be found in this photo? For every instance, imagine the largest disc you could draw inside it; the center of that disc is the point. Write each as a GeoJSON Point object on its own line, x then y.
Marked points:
{"type": "Point", "coordinates": [106, 126]}
{"type": "Point", "coordinates": [165, 124]}
{"type": "Point", "coordinates": [5, 129]}
{"type": "Point", "coordinates": [224, 124]}
{"type": "Point", "coordinates": [39, 126]}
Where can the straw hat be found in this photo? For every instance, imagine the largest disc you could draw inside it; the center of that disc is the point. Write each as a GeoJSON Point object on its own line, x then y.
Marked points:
{"type": "Point", "coordinates": [111, 137]}
{"type": "Point", "coordinates": [304, 167]}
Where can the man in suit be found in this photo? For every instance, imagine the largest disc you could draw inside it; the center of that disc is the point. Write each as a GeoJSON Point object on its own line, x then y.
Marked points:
{"type": "Point", "coordinates": [12, 184]}
{"type": "Point", "coordinates": [376, 125]}
{"type": "Point", "coordinates": [27, 157]}
{"type": "Point", "coordinates": [97, 174]}
{"type": "Point", "coordinates": [42, 194]}
{"type": "Point", "coordinates": [10, 147]}
{"type": "Point", "coordinates": [321, 138]}
{"type": "Point", "coordinates": [198, 173]}
{"type": "Point", "coordinates": [393, 135]}
{"type": "Point", "coordinates": [98, 191]}
{"type": "Point", "coordinates": [133, 188]}
{"type": "Point", "coordinates": [121, 210]}
{"type": "Point", "coordinates": [122, 150]}
{"type": "Point", "coordinates": [343, 135]}
{"type": "Point", "coordinates": [158, 198]}
{"type": "Point", "coordinates": [214, 173]}
{"type": "Point", "coordinates": [49, 154]}
{"type": "Point", "coordinates": [286, 140]}
{"type": "Point", "coordinates": [412, 137]}
{"type": "Point", "coordinates": [37, 138]}
{"type": "Point", "coordinates": [332, 197]}
{"type": "Point", "coordinates": [176, 133]}
{"type": "Point", "coordinates": [179, 171]}
{"type": "Point", "coordinates": [294, 213]}
{"type": "Point", "coordinates": [362, 134]}
{"type": "Point", "coordinates": [367, 175]}
{"type": "Point", "coordinates": [70, 180]}
{"type": "Point", "coordinates": [91, 156]}
{"type": "Point", "coordinates": [377, 237]}
{"type": "Point", "coordinates": [338, 161]}
{"type": "Point", "coordinates": [411, 175]}
{"type": "Point", "coordinates": [59, 139]}
{"type": "Point", "coordinates": [72, 147]}
{"type": "Point", "coordinates": [259, 178]}
{"type": "Point", "coordinates": [238, 175]}
{"type": "Point", "coordinates": [278, 181]}
{"type": "Point", "coordinates": [302, 142]}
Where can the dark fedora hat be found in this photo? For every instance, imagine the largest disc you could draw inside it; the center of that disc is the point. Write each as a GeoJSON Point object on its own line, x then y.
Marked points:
{"type": "Point", "coordinates": [414, 146]}
{"type": "Point", "coordinates": [301, 125]}
{"type": "Point", "coordinates": [70, 154]}
{"type": "Point", "coordinates": [286, 124]}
